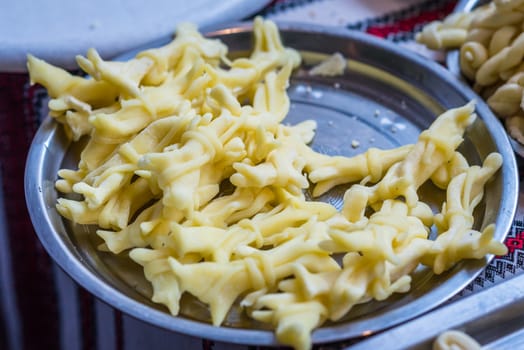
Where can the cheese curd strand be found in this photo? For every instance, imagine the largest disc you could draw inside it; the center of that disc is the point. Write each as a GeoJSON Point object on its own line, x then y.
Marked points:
{"type": "Point", "coordinates": [494, 16]}
{"type": "Point", "coordinates": [506, 100]}
{"type": "Point", "coordinates": [501, 38]}
{"type": "Point", "coordinates": [451, 32]}
{"type": "Point", "coordinates": [457, 239]}
{"type": "Point", "coordinates": [515, 126]}
{"type": "Point", "coordinates": [472, 56]}
{"type": "Point", "coordinates": [508, 57]}
{"type": "Point", "coordinates": [435, 146]}
{"type": "Point", "coordinates": [455, 339]}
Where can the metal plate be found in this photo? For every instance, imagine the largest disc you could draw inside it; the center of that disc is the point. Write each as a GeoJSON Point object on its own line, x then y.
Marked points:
{"type": "Point", "coordinates": [72, 27]}
{"type": "Point", "coordinates": [386, 97]}
{"type": "Point", "coordinates": [453, 61]}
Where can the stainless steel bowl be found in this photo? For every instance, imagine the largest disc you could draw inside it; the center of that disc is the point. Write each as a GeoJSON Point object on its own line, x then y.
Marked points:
{"type": "Point", "coordinates": [385, 98]}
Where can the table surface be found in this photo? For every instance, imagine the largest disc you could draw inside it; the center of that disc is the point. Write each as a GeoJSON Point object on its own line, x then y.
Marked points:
{"type": "Point", "coordinates": [58, 30]}
{"type": "Point", "coordinates": [42, 307]}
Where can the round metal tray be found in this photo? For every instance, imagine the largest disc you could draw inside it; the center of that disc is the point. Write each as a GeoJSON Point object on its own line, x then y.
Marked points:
{"type": "Point", "coordinates": [384, 99]}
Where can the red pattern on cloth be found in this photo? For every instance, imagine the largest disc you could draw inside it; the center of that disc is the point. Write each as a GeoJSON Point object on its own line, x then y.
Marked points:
{"type": "Point", "coordinates": [410, 24]}
{"type": "Point", "coordinates": [515, 243]}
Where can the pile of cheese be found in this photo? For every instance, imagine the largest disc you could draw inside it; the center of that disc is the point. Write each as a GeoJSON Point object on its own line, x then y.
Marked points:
{"type": "Point", "coordinates": [190, 171]}
{"type": "Point", "coordinates": [491, 43]}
